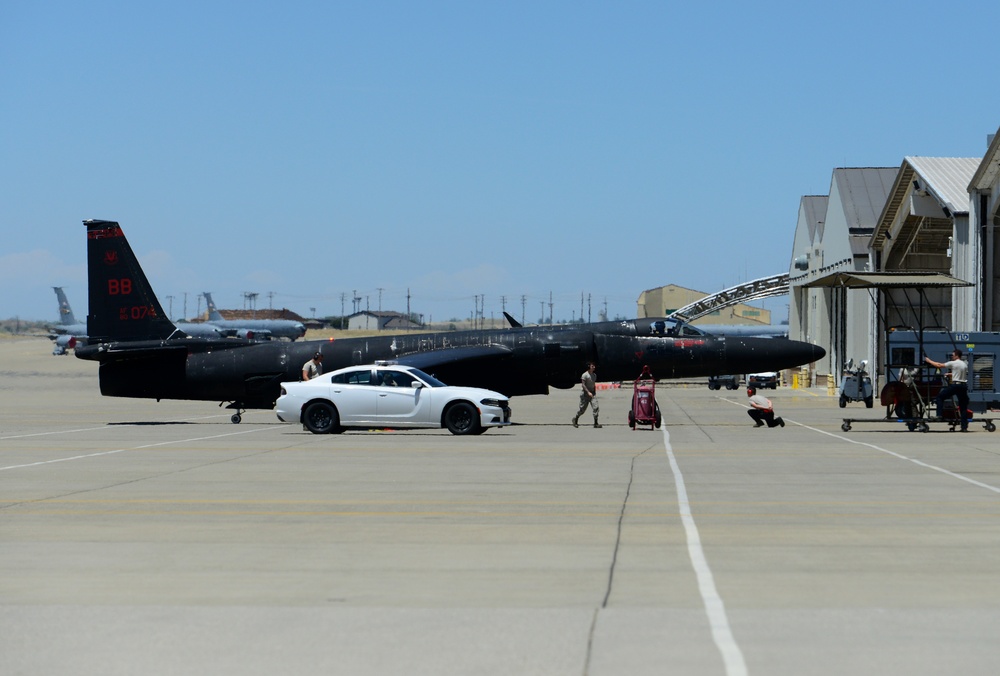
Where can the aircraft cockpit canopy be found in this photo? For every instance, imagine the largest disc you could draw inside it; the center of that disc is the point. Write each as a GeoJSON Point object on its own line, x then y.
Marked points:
{"type": "Point", "coordinates": [673, 328]}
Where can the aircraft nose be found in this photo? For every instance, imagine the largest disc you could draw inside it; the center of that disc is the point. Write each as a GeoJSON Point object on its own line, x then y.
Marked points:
{"type": "Point", "coordinates": [752, 355]}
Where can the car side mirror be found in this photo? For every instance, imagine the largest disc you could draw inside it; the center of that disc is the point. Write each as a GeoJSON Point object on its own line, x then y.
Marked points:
{"type": "Point", "coordinates": [417, 384]}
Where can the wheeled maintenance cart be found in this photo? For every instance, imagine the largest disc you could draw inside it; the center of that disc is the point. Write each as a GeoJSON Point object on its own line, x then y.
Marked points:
{"type": "Point", "coordinates": [910, 310]}
{"type": "Point", "coordinates": [645, 410]}
{"type": "Point", "coordinates": [910, 401]}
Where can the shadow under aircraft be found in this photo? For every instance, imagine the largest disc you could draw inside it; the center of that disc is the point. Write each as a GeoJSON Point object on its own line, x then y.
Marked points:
{"type": "Point", "coordinates": [143, 354]}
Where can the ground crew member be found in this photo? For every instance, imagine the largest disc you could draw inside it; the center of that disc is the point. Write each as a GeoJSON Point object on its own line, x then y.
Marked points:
{"type": "Point", "coordinates": [588, 394]}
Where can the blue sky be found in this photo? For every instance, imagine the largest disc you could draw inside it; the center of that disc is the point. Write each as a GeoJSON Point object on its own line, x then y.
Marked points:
{"type": "Point", "coordinates": [307, 150]}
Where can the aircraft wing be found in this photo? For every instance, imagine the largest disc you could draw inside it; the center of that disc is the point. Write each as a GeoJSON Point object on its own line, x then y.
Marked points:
{"type": "Point", "coordinates": [452, 356]}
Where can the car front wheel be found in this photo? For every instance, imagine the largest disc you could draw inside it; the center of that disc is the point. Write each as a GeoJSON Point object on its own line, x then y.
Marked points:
{"type": "Point", "coordinates": [462, 418]}
{"type": "Point", "coordinates": [320, 417]}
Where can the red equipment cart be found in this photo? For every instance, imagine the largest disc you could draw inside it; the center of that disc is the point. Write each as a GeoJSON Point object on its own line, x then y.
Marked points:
{"type": "Point", "coordinates": [645, 410]}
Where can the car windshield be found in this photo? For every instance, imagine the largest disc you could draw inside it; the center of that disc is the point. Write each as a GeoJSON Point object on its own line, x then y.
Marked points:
{"type": "Point", "coordinates": [427, 378]}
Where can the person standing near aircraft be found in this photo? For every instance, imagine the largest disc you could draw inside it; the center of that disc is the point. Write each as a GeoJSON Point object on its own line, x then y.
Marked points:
{"type": "Point", "coordinates": [761, 410]}
{"type": "Point", "coordinates": [588, 395]}
{"type": "Point", "coordinates": [313, 367]}
{"type": "Point", "coordinates": [958, 373]}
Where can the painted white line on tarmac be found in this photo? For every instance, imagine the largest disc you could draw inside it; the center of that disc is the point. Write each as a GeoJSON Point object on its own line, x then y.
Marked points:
{"type": "Point", "coordinates": [732, 656]}
{"type": "Point", "coordinates": [133, 448]}
{"type": "Point", "coordinates": [102, 427]}
{"type": "Point", "coordinates": [919, 463]}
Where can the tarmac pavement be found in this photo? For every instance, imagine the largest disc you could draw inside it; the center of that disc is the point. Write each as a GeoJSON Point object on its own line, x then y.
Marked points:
{"type": "Point", "coordinates": [139, 537]}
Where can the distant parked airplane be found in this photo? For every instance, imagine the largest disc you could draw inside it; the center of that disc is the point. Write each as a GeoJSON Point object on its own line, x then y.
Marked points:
{"type": "Point", "coordinates": [253, 328]}
{"type": "Point", "coordinates": [68, 333]}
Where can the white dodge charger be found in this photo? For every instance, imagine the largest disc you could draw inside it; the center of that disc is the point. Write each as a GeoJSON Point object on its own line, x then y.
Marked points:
{"type": "Point", "coordinates": [389, 396]}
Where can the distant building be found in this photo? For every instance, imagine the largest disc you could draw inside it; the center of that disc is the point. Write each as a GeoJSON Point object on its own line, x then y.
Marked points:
{"type": "Point", "coordinates": [832, 235]}
{"type": "Point", "coordinates": [662, 301]}
{"type": "Point", "coordinates": [380, 321]}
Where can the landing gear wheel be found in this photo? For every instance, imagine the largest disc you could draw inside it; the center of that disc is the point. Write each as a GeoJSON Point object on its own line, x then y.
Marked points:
{"type": "Point", "coordinates": [236, 418]}
{"type": "Point", "coordinates": [990, 427]}
{"type": "Point", "coordinates": [846, 426]}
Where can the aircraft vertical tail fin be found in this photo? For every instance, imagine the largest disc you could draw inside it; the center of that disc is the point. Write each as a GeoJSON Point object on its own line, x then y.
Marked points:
{"type": "Point", "coordinates": [65, 311]}
{"type": "Point", "coordinates": [123, 306]}
{"type": "Point", "coordinates": [213, 313]}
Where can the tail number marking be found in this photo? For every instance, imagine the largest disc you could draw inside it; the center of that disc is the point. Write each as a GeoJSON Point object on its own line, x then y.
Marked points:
{"type": "Point", "coordinates": [136, 312]}
{"type": "Point", "coordinates": [119, 287]}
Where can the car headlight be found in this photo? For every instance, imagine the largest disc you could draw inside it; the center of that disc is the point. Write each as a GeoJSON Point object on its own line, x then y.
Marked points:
{"type": "Point", "coordinates": [498, 403]}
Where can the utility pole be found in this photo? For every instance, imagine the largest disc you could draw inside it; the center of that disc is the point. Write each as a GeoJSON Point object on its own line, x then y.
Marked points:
{"type": "Point", "coordinates": [523, 298]}
{"type": "Point", "coordinates": [170, 307]}
{"type": "Point", "coordinates": [185, 305]}
{"type": "Point", "coordinates": [380, 290]}
{"type": "Point", "coordinates": [550, 307]}
{"type": "Point", "coordinates": [270, 300]}
{"type": "Point", "coordinates": [251, 297]}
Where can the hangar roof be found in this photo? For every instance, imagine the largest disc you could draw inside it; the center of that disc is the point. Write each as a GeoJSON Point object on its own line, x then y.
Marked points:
{"type": "Point", "coordinates": [948, 178]}
{"type": "Point", "coordinates": [989, 169]}
{"type": "Point", "coordinates": [863, 191]}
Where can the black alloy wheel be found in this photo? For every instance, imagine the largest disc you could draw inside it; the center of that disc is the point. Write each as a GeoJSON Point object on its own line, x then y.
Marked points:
{"type": "Point", "coordinates": [462, 418]}
{"type": "Point", "coordinates": [320, 417]}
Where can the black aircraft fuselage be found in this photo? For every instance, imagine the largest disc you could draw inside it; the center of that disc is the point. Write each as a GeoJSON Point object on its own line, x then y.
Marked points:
{"type": "Point", "coordinates": [142, 354]}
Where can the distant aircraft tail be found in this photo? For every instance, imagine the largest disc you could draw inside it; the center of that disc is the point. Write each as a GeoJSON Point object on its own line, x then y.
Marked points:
{"type": "Point", "coordinates": [65, 311]}
{"type": "Point", "coordinates": [514, 324]}
{"type": "Point", "coordinates": [213, 313]}
{"type": "Point", "coordinates": [123, 306]}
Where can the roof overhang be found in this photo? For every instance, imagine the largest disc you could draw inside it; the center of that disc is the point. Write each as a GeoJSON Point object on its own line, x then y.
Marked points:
{"type": "Point", "coordinates": [886, 280]}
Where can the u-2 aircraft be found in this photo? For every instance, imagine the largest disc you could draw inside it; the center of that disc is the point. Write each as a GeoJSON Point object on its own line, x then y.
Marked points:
{"type": "Point", "coordinates": [143, 354]}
